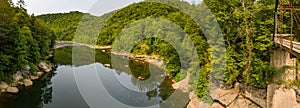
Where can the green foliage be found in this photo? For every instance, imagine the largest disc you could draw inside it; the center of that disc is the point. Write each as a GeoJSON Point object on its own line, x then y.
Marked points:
{"type": "Point", "coordinates": [180, 76]}
{"type": "Point", "coordinates": [63, 24]}
{"type": "Point", "coordinates": [246, 25]}
{"type": "Point", "coordinates": [19, 43]}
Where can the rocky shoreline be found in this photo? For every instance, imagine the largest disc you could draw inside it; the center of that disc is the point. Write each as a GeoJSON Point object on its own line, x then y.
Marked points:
{"type": "Point", "coordinates": [61, 44]}
{"type": "Point", "coordinates": [24, 78]}
{"type": "Point", "coordinates": [242, 96]}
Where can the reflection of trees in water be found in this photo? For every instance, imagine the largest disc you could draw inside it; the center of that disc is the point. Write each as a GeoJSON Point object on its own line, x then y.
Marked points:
{"type": "Point", "coordinates": [32, 97]}
{"type": "Point", "coordinates": [82, 56]}
{"type": "Point", "coordinates": [136, 69]}
{"type": "Point", "coordinates": [47, 90]}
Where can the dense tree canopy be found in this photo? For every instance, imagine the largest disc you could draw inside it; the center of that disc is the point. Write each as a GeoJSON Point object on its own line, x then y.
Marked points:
{"type": "Point", "coordinates": [64, 25]}
{"type": "Point", "coordinates": [24, 40]}
{"type": "Point", "coordinates": [246, 26]}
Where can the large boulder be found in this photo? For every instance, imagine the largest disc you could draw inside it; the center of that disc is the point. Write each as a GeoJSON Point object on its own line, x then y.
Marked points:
{"type": "Point", "coordinates": [45, 67]}
{"type": "Point", "coordinates": [3, 85]}
{"type": "Point", "coordinates": [34, 77]}
{"type": "Point", "coordinates": [12, 90]}
{"type": "Point", "coordinates": [27, 82]}
{"type": "Point", "coordinates": [48, 70]}
{"type": "Point", "coordinates": [39, 74]}
{"type": "Point", "coordinates": [284, 98]}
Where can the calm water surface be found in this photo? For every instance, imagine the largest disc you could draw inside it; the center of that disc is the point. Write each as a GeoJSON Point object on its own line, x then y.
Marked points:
{"type": "Point", "coordinates": [59, 89]}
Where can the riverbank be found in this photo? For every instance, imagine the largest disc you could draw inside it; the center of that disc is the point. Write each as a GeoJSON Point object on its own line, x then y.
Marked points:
{"type": "Point", "coordinates": [61, 44]}
{"type": "Point", "coordinates": [146, 58]}
{"type": "Point", "coordinates": [24, 78]}
{"type": "Point", "coordinates": [153, 59]}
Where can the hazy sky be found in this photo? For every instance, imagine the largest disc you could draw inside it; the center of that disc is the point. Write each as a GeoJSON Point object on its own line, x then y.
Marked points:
{"type": "Point", "coordinates": [56, 6]}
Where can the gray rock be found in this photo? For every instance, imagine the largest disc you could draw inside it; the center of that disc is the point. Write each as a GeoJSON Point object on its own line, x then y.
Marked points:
{"type": "Point", "coordinates": [12, 90]}
{"type": "Point", "coordinates": [27, 67]}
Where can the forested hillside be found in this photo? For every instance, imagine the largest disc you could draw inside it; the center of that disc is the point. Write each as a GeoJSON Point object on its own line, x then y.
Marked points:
{"type": "Point", "coordinates": [24, 40]}
{"type": "Point", "coordinates": [63, 24]}
{"type": "Point", "coordinates": [246, 27]}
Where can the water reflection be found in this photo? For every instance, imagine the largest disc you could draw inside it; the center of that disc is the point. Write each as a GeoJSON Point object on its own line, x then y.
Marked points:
{"type": "Point", "coordinates": [32, 97]}
{"type": "Point", "coordinates": [59, 89]}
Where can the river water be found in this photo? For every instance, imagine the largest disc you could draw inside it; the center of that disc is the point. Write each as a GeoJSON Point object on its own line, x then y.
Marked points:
{"type": "Point", "coordinates": [138, 84]}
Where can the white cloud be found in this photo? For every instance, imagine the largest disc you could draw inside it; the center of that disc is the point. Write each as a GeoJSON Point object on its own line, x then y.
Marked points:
{"type": "Point", "coordinates": [57, 6]}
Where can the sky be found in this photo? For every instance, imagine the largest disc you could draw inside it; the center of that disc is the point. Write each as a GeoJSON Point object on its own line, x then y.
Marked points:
{"type": "Point", "coordinates": [39, 7]}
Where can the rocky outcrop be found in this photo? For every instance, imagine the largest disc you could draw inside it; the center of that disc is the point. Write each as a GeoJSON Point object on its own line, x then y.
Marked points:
{"type": "Point", "coordinates": [242, 96]}
{"type": "Point", "coordinates": [12, 90]}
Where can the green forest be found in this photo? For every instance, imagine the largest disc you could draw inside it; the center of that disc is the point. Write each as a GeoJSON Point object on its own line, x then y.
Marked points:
{"type": "Point", "coordinates": [25, 40]}
{"type": "Point", "coordinates": [246, 27]}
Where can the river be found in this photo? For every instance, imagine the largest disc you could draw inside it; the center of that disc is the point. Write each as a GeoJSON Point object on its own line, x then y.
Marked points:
{"type": "Point", "coordinates": [133, 85]}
